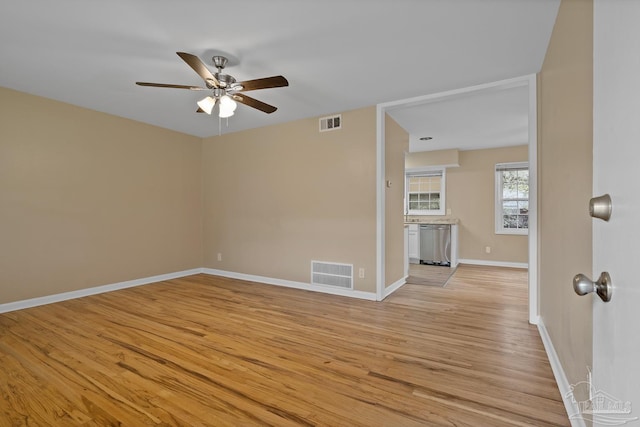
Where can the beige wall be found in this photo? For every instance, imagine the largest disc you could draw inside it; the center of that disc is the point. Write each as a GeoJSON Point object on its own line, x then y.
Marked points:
{"type": "Point", "coordinates": [470, 194]}
{"type": "Point", "coordinates": [396, 145]}
{"type": "Point", "coordinates": [432, 158]}
{"type": "Point", "coordinates": [278, 197]}
{"type": "Point", "coordinates": [565, 184]}
{"type": "Point", "coordinates": [88, 199]}
{"type": "Point", "coordinates": [471, 198]}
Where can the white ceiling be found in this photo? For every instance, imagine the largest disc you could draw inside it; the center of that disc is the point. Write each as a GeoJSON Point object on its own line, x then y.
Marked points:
{"type": "Point", "coordinates": [484, 119]}
{"type": "Point", "coordinates": [337, 55]}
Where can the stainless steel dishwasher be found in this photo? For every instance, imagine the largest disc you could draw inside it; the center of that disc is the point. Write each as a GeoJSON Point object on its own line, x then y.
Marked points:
{"type": "Point", "coordinates": [435, 244]}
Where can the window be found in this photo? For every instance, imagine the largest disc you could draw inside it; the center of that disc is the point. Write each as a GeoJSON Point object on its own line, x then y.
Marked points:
{"type": "Point", "coordinates": [425, 192]}
{"type": "Point", "coordinates": [512, 198]}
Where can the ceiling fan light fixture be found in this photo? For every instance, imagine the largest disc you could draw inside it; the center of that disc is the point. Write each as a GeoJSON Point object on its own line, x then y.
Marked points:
{"type": "Point", "coordinates": [207, 104]}
{"type": "Point", "coordinates": [227, 106]}
{"type": "Point", "coordinates": [225, 113]}
{"type": "Point", "coordinates": [224, 87]}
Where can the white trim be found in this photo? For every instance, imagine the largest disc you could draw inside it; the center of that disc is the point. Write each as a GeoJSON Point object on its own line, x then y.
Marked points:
{"type": "Point", "coordinates": [561, 378]}
{"type": "Point", "coordinates": [452, 94]}
{"type": "Point", "coordinates": [291, 284]}
{"type": "Point", "coordinates": [49, 299]}
{"type": "Point", "coordinates": [534, 309]}
{"type": "Point", "coordinates": [380, 201]}
{"type": "Point", "coordinates": [494, 263]}
{"type": "Point", "coordinates": [395, 286]}
{"type": "Point", "coordinates": [510, 232]}
{"type": "Point", "coordinates": [528, 80]}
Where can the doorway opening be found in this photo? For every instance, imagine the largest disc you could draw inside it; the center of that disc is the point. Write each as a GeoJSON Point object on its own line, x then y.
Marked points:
{"type": "Point", "coordinates": [527, 85]}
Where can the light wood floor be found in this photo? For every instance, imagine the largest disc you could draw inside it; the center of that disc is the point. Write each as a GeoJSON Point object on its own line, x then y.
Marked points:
{"type": "Point", "coordinates": [431, 275]}
{"type": "Point", "coordinates": [205, 350]}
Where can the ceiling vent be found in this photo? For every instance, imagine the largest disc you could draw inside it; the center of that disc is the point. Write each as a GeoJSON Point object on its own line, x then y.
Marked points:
{"type": "Point", "coordinates": [331, 123]}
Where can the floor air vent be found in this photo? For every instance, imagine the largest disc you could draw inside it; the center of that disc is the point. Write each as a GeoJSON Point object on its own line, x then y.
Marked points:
{"type": "Point", "coordinates": [331, 123]}
{"type": "Point", "coordinates": [332, 274]}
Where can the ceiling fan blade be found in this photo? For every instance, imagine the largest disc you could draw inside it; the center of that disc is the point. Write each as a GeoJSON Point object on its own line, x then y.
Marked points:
{"type": "Point", "coordinates": [199, 67]}
{"type": "Point", "coordinates": [199, 110]}
{"type": "Point", "coordinates": [170, 86]}
{"type": "Point", "coordinates": [252, 102]}
{"type": "Point", "coordinates": [265, 83]}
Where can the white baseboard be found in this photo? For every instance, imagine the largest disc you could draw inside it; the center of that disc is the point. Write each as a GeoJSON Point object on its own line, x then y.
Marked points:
{"type": "Point", "coordinates": [49, 299]}
{"type": "Point", "coordinates": [394, 287]}
{"type": "Point", "coordinates": [534, 320]}
{"type": "Point", "coordinates": [494, 263]}
{"type": "Point", "coordinates": [561, 378]}
{"type": "Point", "coordinates": [371, 296]}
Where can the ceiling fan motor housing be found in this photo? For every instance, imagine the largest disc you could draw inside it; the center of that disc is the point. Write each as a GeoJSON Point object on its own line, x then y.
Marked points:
{"type": "Point", "coordinates": [225, 80]}
{"type": "Point", "coordinates": [220, 62]}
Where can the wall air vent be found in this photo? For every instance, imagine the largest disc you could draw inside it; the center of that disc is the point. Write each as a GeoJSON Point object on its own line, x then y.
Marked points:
{"type": "Point", "coordinates": [331, 123]}
{"type": "Point", "coordinates": [332, 274]}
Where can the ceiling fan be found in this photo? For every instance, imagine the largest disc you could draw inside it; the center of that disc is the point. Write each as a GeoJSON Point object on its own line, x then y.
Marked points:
{"type": "Point", "coordinates": [225, 90]}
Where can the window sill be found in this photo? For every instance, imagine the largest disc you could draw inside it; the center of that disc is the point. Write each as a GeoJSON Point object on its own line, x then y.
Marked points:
{"type": "Point", "coordinates": [513, 232]}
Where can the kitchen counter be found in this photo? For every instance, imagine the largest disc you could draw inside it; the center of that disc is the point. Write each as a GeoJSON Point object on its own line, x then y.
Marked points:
{"type": "Point", "coordinates": [436, 221]}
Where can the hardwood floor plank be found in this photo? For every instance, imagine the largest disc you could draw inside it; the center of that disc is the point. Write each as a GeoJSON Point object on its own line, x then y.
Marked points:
{"type": "Point", "coordinates": [212, 351]}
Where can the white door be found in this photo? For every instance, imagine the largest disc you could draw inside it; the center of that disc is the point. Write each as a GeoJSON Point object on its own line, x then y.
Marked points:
{"type": "Point", "coordinates": [616, 244]}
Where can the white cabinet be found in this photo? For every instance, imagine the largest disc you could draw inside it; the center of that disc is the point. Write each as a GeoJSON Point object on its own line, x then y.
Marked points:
{"type": "Point", "coordinates": [454, 245]}
{"type": "Point", "coordinates": [414, 243]}
{"type": "Point", "coordinates": [406, 250]}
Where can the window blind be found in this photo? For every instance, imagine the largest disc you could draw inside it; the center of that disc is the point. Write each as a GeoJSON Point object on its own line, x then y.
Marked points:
{"type": "Point", "coordinates": [501, 167]}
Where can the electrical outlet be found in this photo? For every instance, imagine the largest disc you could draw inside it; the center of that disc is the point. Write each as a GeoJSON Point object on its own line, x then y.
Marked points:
{"type": "Point", "coordinates": [487, 249]}
{"type": "Point", "coordinates": [361, 273]}
{"type": "Point", "coordinates": [219, 256]}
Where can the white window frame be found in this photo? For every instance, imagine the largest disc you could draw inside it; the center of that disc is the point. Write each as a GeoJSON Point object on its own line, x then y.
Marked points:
{"type": "Point", "coordinates": [498, 198]}
{"type": "Point", "coordinates": [431, 171]}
